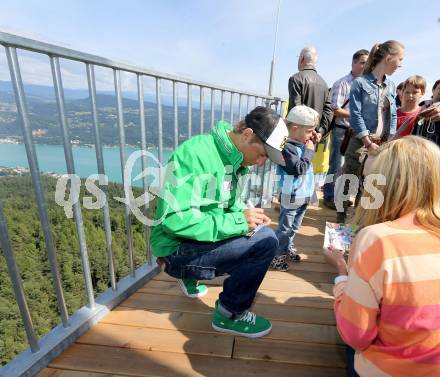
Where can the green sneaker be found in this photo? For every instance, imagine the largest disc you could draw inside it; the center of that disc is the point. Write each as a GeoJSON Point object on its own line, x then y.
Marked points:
{"type": "Point", "coordinates": [192, 288]}
{"type": "Point", "coordinates": [249, 325]}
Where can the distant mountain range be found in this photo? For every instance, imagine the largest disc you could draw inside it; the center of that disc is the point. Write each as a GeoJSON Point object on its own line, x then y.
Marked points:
{"type": "Point", "coordinates": [47, 92]}
{"type": "Point", "coordinates": [43, 115]}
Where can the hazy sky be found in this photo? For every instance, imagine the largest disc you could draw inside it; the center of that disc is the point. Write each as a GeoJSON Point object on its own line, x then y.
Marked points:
{"type": "Point", "coordinates": [227, 42]}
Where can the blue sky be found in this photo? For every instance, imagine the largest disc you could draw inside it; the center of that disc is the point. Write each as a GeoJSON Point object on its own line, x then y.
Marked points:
{"type": "Point", "coordinates": [227, 42]}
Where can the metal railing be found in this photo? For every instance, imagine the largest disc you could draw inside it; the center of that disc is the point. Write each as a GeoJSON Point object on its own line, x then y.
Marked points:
{"type": "Point", "coordinates": [43, 350]}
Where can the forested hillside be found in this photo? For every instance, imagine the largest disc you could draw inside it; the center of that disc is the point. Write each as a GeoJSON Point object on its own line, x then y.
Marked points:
{"type": "Point", "coordinates": [17, 199]}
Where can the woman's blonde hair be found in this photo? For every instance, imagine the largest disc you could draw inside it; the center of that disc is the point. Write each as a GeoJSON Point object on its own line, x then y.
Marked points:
{"type": "Point", "coordinates": [411, 166]}
{"type": "Point", "coordinates": [381, 51]}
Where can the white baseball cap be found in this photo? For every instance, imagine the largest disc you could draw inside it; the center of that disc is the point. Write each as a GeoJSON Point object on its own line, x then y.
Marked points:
{"type": "Point", "coordinates": [272, 131]}
{"type": "Point", "coordinates": [303, 115]}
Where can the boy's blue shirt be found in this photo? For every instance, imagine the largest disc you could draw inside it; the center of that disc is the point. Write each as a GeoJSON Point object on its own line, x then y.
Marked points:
{"type": "Point", "coordinates": [297, 178]}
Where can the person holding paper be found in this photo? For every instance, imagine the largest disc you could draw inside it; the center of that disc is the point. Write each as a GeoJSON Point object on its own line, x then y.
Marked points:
{"type": "Point", "coordinates": [387, 300]}
{"type": "Point", "coordinates": [203, 230]}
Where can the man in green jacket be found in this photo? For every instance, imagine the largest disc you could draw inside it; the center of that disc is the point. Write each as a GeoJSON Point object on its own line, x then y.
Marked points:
{"type": "Point", "coordinates": [203, 229]}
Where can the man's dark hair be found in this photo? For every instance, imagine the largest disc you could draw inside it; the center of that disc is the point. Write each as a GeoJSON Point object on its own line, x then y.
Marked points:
{"type": "Point", "coordinates": [263, 121]}
{"type": "Point", "coordinates": [400, 86]}
{"type": "Point", "coordinates": [435, 85]}
{"type": "Point", "coordinates": [358, 54]}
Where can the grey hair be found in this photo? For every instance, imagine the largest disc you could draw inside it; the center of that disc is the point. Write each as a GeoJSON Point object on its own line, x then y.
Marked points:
{"type": "Point", "coordinates": [310, 55]}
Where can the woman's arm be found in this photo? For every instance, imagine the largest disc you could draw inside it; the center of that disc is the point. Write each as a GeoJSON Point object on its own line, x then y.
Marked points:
{"type": "Point", "coordinates": [356, 120]}
{"type": "Point", "coordinates": [357, 297]}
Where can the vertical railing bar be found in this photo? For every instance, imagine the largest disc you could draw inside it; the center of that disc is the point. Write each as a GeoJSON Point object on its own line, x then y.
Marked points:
{"type": "Point", "coordinates": [17, 284]}
{"type": "Point", "coordinates": [231, 108]}
{"type": "Point", "coordinates": [212, 107]}
{"type": "Point", "coordinates": [222, 105]}
{"type": "Point", "coordinates": [240, 97]}
{"type": "Point", "coordinates": [202, 109]}
{"type": "Point", "coordinates": [255, 102]}
{"type": "Point", "coordinates": [160, 127]}
{"type": "Point", "coordinates": [248, 104]}
{"type": "Point", "coordinates": [101, 171]}
{"type": "Point", "coordinates": [140, 85]}
{"type": "Point", "coordinates": [14, 68]}
{"type": "Point", "coordinates": [120, 114]}
{"type": "Point", "coordinates": [176, 116]}
{"type": "Point", "coordinates": [189, 104]}
{"type": "Point", "coordinates": [79, 224]}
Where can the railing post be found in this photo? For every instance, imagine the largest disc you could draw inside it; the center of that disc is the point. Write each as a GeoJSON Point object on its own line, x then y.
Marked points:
{"type": "Point", "coordinates": [140, 85]}
{"type": "Point", "coordinates": [127, 216]}
{"type": "Point", "coordinates": [212, 108]}
{"type": "Point", "coordinates": [189, 105]}
{"type": "Point", "coordinates": [160, 128]}
{"type": "Point", "coordinates": [222, 106]}
{"type": "Point", "coordinates": [176, 116]}
{"type": "Point", "coordinates": [59, 95]}
{"type": "Point", "coordinates": [14, 69]}
{"type": "Point", "coordinates": [240, 96]}
{"type": "Point", "coordinates": [202, 109]}
{"type": "Point", "coordinates": [101, 171]}
{"type": "Point", "coordinates": [231, 108]}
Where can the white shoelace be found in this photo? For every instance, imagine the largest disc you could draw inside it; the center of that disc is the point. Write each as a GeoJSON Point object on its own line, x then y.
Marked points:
{"type": "Point", "coordinates": [249, 317]}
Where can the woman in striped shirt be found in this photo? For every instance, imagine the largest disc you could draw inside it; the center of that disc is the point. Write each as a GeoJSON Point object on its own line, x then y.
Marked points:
{"type": "Point", "coordinates": [388, 307]}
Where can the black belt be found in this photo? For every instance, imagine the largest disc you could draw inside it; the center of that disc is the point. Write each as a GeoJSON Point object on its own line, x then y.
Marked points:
{"type": "Point", "coordinates": [341, 126]}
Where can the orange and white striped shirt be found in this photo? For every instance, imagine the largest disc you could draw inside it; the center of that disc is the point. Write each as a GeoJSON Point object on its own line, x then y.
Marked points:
{"type": "Point", "coordinates": [389, 309]}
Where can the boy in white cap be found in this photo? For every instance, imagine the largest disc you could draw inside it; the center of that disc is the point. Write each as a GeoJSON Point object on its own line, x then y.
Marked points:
{"type": "Point", "coordinates": [297, 181]}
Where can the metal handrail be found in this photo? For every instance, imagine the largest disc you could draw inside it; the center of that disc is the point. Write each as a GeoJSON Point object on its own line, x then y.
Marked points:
{"type": "Point", "coordinates": [42, 351]}
{"type": "Point", "coordinates": [7, 39]}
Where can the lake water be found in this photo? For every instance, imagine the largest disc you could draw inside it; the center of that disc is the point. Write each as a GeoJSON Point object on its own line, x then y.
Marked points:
{"type": "Point", "coordinates": [51, 159]}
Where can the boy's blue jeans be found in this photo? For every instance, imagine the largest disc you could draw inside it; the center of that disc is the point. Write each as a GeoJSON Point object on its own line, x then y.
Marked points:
{"type": "Point", "coordinates": [245, 259]}
{"type": "Point", "coordinates": [290, 220]}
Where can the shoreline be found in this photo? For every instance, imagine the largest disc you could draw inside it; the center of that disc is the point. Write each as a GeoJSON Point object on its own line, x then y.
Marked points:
{"type": "Point", "coordinates": [16, 141]}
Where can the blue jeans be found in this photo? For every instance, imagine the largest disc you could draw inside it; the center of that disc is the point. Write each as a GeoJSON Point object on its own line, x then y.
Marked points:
{"type": "Point", "coordinates": [245, 259]}
{"type": "Point", "coordinates": [336, 162]}
{"type": "Point", "coordinates": [349, 353]}
{"type": "Point", "coordinates": [290, 220]}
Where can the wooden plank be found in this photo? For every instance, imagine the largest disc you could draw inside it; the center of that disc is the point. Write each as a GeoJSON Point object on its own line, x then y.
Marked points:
{"type": "Point", "coordinates": [205, 305]}
{"type": "Point", "coordinates": [313, 258]}
{"type": "Point", "coordinates": [201, 322]}
{"type": "Point", "coordinates": [307, 266]}
{"type": "Point", "coordinates": [171, 288]}
{"type": "Point", "coordinates": [50, 372]}
{"type": "Point", "coordinates": [290, 352]}
{"type": "Point", "coordinates": [299, 286]}
{"type": "Point", "coordinates": [147, 363]}
{"type": "Point", "coordinates": [151, 339]}
{"type": "Point", "coordinates": [300, 275]}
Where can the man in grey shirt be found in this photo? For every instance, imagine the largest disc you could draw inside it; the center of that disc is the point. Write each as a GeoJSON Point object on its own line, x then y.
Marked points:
{"type": "Point", "coordinates": [308, 88]}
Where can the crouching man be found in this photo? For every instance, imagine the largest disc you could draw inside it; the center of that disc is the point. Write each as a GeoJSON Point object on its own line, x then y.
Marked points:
{"type": "Point", "coordinates": [204, 230]}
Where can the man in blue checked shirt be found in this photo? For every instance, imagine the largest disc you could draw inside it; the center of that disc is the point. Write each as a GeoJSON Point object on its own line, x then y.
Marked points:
{"type": "Point", "coordinates": [340, 94]}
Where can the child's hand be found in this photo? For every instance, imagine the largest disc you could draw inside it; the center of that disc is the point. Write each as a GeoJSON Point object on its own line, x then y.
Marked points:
{"type": "Point", "coordinates": [310, 145]}
{"type": "Point", "coordinates": [316, 137]}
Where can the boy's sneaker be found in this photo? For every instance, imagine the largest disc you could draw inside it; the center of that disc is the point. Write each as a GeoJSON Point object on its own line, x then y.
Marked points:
{"type": "Point", "coordinates": [293, 256]}
{"type": "Point", "coordinates": [279, 263]}
{"type": "Point", "coordinates": [192, 288]}
{"type": "Point", "coordinates": [249, 325]}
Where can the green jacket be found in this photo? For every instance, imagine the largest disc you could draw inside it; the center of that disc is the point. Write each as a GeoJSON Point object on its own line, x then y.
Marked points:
{"type": "Point", "coordinates": [199, 198]}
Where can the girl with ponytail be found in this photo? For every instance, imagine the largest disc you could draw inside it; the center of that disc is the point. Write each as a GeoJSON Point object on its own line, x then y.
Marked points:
{"type": "Point", "coordinates": [373, 112]}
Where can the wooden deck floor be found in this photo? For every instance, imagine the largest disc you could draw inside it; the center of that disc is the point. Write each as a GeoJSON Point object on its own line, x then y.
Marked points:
{"type": "Point", "coordinates": [159, 332]}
